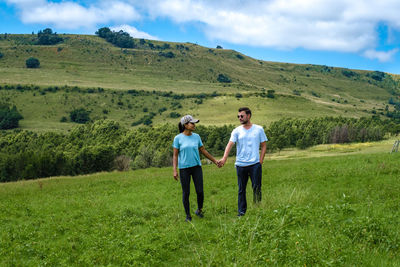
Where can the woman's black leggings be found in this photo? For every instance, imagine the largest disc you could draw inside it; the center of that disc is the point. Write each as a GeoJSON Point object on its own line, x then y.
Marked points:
{"type": "Point", "coordinates": [197, 175]}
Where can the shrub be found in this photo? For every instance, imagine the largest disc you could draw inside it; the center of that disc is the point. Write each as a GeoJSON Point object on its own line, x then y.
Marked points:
{"type": "Point", "coordinates": [349, 73]}
{"type": "Point", "coordinates": [47, 37]}
{"type": "Point", "coordinates": [377, 75]}
{"type": "Point", "coordinates": [79, 115]}
{"type": "Point", "coordinates": [9, 117]}
{"type": "Point", "coordinates": [223, 78]}
{"type": "Point", "coordinates": [32, 63]}
{"type": "Point", "coordinates": [239, 56]}
{"type": "Point", "coordinates": [122, 163]}
{"type": "Point", "coordinates": [174, 115]}
{"type": "Point", "coordinates": [121, 39]}
{"type": "Point", "coordinates": [271, 93]}
{"type": "Point", "coordinates": [1, 55]}
{"type": "Point", "coordinates": [167, 55]}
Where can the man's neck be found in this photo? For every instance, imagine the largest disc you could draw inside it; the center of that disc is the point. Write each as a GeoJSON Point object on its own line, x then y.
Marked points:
{"type": "Point", "coordinates": [247, 125]}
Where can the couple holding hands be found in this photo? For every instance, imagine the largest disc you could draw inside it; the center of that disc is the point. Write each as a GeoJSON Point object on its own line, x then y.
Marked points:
{"type": "Point", "coordinates": [248, 138]}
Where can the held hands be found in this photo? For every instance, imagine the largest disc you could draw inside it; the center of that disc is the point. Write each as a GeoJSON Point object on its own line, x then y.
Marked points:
{"type": "Point", "coordinates": [220, 163]}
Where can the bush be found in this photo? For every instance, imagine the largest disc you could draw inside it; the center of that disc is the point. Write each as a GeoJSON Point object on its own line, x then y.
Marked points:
{"type": "Point", "coordinates": [377, 75]}
{"type": "Point", "coordinates": [167, 55]}
{"type": "Point", "coordinates": [271, 93]}
{"type": "Point", "coordinates": [122, 163]}
{"type": "Point", "coordinates": [47, 37]}
{"type": "Point", "coordinates": [32, 63]}
{"type": "Point", "coordinates": [121, 39]}
{"type": "Point", "coordinates": [79, 115]}
{"type": "Point", "coordinates": [9, 117]}
{"type": "Point", "coordinates": [1, 55]}
{"type": "Point", "coordinates": [223, 78]}
{"type": "Point", "coordinates": [174, 115]}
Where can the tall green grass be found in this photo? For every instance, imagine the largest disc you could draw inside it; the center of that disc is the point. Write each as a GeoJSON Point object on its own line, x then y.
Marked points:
{"type": "Point", "coordinates": [330, 211]}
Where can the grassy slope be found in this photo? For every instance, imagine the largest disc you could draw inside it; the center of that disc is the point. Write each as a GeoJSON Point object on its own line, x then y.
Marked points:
{"type": "Point", "coordinates": [341, 210]}
{"type": "Point", "coordinates": [89, 61]}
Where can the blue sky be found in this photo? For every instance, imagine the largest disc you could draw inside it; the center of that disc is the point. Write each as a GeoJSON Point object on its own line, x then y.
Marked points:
{"type": "Point", "coordinates": [357, 34]}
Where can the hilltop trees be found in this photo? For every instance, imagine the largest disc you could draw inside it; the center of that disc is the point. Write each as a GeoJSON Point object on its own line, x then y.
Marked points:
{"type": "Point", "coordinates": [121, 39]}
{"type": "Point", "coordinates": [47, 37]}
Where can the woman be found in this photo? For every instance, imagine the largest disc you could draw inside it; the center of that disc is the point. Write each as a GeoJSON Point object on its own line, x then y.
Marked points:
{"type": "Point", "coordinates": [186, 157]}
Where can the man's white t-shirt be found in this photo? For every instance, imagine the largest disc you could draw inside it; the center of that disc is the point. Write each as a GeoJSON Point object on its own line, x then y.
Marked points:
{"type": "Point", "coordinates": [248, 144]}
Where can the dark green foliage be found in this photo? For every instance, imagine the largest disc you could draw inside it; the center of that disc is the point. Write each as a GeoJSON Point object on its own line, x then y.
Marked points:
{"type": "Point", "coordinates": [305, 133]}
{"type": "Point", "coordinates": [9, 117]}
{"type": "Point", "coordinates": [297, 92]}
{"type": "Point", "coordinates": [1, 55]}
{"type": "Point", "coordinates": [94, 159]}
{"type": "Point", "coordinates": [316, 94]}
{"type": "Point", "coordinates": [377, 75]}
{"type": "Point", "coordinates": [47, 37]}
{"type": "Point", "coordinates": [174, 115]}
{"type": "Point", "coordinates": [120, 39]}
{"type": "Point", "coordinates": [167, 55]}
{"type": "Point", "coordinates": [239, 56]}
{"type": "Point", "coordinates": [79, 115]}
{"type": "Point", "coordinates": [145, 120]}
{"type": "Point", "coordinates": [349, 73]}
{"type": "Point", "coordinates": [219, 47]}
{"type": "Point", "coordinates": [32, 63]}
{"type": "Point", "coordinates": [93, 147]}
{"type": "Point", "coordinates": [223, 78]}
{"type": "Point", "coordinates": [238, 95]}
{"type": "Point", "coordinates": [271, 93]}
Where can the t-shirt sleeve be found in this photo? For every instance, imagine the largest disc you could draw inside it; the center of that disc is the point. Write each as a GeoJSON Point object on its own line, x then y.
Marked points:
{"type": "Point", "coordinates": [233, 136]}
{"type": "Point", "coordinates": [175, 144]}
{"type": "Point", "coordinates": [200, 142]}
{"type": "Point", "coordinates": [263, 137]}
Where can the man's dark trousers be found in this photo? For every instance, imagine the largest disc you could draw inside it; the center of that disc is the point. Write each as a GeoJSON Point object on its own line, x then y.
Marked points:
{"type": "Point", "coordinates": [243, 174]}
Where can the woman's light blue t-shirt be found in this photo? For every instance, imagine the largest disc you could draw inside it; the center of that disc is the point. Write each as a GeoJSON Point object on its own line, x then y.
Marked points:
{"type": "Point", "coordinates": [248, 144]}
{"type": "Point", "coordinates": [188, 146]}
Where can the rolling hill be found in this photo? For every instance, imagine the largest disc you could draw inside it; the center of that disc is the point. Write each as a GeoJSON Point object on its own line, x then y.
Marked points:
{"type": "Point", "coordinates": [175, 79]}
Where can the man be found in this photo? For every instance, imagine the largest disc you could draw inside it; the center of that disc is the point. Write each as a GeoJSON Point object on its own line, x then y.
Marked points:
{"type": "Point", "coordinates": [248, 138]}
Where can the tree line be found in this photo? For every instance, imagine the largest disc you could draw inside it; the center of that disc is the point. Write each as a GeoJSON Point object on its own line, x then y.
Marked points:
{"type": "Point", "coordinates": [105, 145]}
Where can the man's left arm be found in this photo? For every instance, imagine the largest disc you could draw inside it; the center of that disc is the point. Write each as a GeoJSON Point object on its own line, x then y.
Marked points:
{"type": "Point", "coordinates": [263, 151]}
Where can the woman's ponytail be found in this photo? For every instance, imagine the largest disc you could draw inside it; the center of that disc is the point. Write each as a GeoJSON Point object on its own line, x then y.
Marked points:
{"type": "Point", "coordinates": [181, 127]}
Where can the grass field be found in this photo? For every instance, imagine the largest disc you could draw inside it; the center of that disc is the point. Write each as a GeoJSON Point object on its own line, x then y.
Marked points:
{"type": "Point", "coordinates": [330, 211]}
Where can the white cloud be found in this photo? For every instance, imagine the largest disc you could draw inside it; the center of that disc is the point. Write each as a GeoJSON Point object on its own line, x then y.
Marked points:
{"type": "Point", "coordinates": [332, 25]}
{"type": "Point", "coordinates": [382, 56]}
{"type": "Point", "coordinates": [135, 33]}
{"type": "Point", "coordinates": [70, 15]}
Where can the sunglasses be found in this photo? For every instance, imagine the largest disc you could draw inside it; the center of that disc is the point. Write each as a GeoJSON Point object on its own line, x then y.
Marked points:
{"type": "Point", "coordinates": [240, 116]}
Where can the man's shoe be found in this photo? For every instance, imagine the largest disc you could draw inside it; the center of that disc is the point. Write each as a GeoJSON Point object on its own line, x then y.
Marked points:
{"type": "Point", "coordinates": [240, 214]}
{"type": "Point", "coordinates": [188, 219]}
{"type": "Point", "coordinates": [199, 213]}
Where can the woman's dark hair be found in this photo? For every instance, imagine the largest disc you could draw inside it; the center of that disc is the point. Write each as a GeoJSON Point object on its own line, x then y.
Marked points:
{"type": "Point", "coordinates": [181, 127]}
{"type": "Point", "coordinates": [245, 109]}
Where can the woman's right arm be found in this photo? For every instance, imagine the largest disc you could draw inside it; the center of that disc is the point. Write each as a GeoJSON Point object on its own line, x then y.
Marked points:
{"type": "Point", "coordinates": [175, 163]}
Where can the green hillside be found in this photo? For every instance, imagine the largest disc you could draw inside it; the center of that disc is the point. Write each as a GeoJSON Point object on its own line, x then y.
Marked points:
{"type": "Point", "coordinates": [86, 62]}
